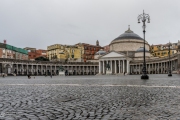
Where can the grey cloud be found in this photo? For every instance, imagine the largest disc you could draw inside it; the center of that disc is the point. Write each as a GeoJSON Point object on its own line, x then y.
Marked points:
{"type": "Point", "coordinates": [39, 23]}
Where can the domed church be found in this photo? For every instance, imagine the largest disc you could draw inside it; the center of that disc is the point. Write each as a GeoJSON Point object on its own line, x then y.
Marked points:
{"type": "Point", "coordinates": [123, 49]}
{"type": "Point", "coordinates": [126, 56]}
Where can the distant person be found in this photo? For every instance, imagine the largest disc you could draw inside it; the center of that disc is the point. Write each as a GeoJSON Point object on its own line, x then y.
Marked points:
{"type": "Point", "coordinates": [3, 75]}
{"type": "Point", "coordinates": [124, 73]}
{"type": "Point", "coordinates": [29, 77]}
{"type": "Point", "coordinates": [51, 75]}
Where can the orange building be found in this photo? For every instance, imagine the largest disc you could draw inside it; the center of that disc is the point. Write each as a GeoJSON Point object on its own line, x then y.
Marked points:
{"type": "Point", "coordinates": [107, 48]}
{"type": "Point", "coordinates": [88, 51]}
{"type": "Point", "coordinates": [33, 53]}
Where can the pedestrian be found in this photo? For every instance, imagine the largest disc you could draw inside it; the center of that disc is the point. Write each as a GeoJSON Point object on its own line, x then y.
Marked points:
{"type": "Point", "coordinates": [51, 75]}
{"type": "Point", "coordinates": [3, 75]}
{"type": "Point", "coordinates": [124, 73]}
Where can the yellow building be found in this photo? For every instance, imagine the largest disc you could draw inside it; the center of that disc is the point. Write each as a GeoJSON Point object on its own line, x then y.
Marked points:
{"type": "Point", "coordinates": [63, 53]}
{"type": "Point", "coordinates": [162, 50]}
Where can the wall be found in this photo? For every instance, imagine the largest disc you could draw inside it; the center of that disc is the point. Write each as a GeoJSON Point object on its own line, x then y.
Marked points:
{"type": "Point", "coordinates": [128, 45]}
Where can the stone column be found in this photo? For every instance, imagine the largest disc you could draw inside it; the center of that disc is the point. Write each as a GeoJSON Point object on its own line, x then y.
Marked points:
{"type": "Point", "coordinates": [115, 67]}
{"type": "Point", "coordinates": [171, 65]}
{"type": "Point", "coordinates": [94, 71]}
{"type": "Point", "coordinates": [111, 66]}
{"type": "Point", "coordinates": [55, 69]}
{"type": "Point", "coordinates": [119, 67]}
{"type": "Point", "coordinates": [123, 67]}
{"type": "Point", "coordinates": [41, 69]}
{"type": "Point", "coordinates": [155, 69]}
{"type": "Point", "coordinates": [128, 72]}
{"type": "Point", "coordinates": [139, 68]}
{"type": "Point", "coordinates": [46, 70]}
{"type": "Point", "coordinates": [165, 64]}
{"type": "Point", "coordinates": [99, 67]}
{"type": "Point", "coordinates": [17, 69]}
{"type": "Point", "coordinates": [83, 70]}
{"type": "Point", "coordinates": [103, 67]}
{"type": "Point", "coordinates": [76, 70]}
{"type": "Point", "coordinates": [31, 69]}
{"type": "Point", "coordinates": [37, 68]}
{"type": "Point", "coordinates": [21, 69]}
{"type": "Point", "coordinates": [27, 69]}
{"type": "Point", "coordinates": [161, 68]}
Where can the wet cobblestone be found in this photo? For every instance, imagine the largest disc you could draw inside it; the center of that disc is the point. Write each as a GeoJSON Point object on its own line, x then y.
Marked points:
{"type": "Point", "coordinates": [89, 98]}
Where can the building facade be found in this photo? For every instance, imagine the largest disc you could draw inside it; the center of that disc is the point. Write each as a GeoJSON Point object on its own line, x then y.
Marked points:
{"type": "Point", "coordinates": [88, 51]}
{"type": "Point", "coordinates": [34, 53]}
{"type": "Point", "coordinates": [64, 53]}
{"type": "Point", "coordinates": [106, 48]}
{"type": "Point", "coordinates": [162, 50]}
{"type": "Point", "coordinates": [12, 52]}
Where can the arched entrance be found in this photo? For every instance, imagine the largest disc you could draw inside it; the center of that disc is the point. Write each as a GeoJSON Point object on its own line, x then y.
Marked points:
{"type": "Point", "coordinates": [7, 69]}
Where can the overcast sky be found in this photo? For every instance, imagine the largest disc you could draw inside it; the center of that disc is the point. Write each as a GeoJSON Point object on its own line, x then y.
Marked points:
{"type": "Point", "coordinates": [40, 23]}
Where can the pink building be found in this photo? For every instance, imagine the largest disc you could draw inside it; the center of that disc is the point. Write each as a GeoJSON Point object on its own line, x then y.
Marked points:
{"type": "Point", "coordinates": [106, 48]}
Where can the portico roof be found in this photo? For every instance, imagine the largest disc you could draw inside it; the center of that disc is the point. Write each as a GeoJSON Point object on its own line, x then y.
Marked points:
{"type": "Point", "coordinates": [113, 54]}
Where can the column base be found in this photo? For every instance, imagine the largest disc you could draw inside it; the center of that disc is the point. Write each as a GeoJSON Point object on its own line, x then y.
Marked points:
{"type": "Point", "coordinates": [108, 72]}
{"type": "Point", "coordinates": [144, 76]}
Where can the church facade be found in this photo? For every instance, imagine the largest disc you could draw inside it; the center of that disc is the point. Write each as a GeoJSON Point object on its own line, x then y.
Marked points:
{"type": "Point", "coordinates": [126, 56]}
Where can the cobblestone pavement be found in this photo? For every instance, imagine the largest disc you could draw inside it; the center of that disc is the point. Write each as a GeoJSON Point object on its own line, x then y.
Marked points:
{"type": "Point", "coordinates": [90, 97]}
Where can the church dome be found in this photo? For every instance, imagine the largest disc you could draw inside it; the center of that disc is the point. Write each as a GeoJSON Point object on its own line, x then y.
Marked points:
{"type": "Point", "coordinates": [129, 34]}
{"type": "Point", "coordinates": [100, 52]}
{"type": "Point", "coordinates": [128, 41]}
{"type": "Point", "coordinates": [141, 49]}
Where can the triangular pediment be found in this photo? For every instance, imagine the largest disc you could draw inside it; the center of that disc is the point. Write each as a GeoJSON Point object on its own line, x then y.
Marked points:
{"type": "Point", "coordinates": [113, 54]}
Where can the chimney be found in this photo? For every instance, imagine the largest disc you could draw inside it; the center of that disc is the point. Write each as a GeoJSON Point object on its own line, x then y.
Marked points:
{"type": "Point", "coordinates": [4, 41]}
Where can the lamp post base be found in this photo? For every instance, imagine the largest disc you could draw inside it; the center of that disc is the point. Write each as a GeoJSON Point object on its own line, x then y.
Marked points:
{"type": "Point", "coordinates": [144, 76]}
{"type": "Point", "coordinates": [170, 74]}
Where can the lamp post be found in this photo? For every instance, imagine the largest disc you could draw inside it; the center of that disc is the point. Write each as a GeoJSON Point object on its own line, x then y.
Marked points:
{"type": "Point", "coordinates": [143, 17]}
{"type": "Point", "coordinates": [169, 72]}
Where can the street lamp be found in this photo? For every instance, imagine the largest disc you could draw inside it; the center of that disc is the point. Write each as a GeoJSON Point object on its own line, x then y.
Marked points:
{"type": "Point", "coordinates": [169, 72]}
{"type": "Point", "coordinates": [143, 17]}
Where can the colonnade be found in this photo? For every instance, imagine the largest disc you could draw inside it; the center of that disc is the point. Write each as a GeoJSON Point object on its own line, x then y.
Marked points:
{"type": "Point", "coordinates": [116, 66]}
{"type": "Point", "coordinates": [48, 69]}
{"type": "Point", "coordinates": [159, 67]}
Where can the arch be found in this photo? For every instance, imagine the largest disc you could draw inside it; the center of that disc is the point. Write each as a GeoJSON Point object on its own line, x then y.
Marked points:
{"type": "Point", "coordinates": [7, 68]}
